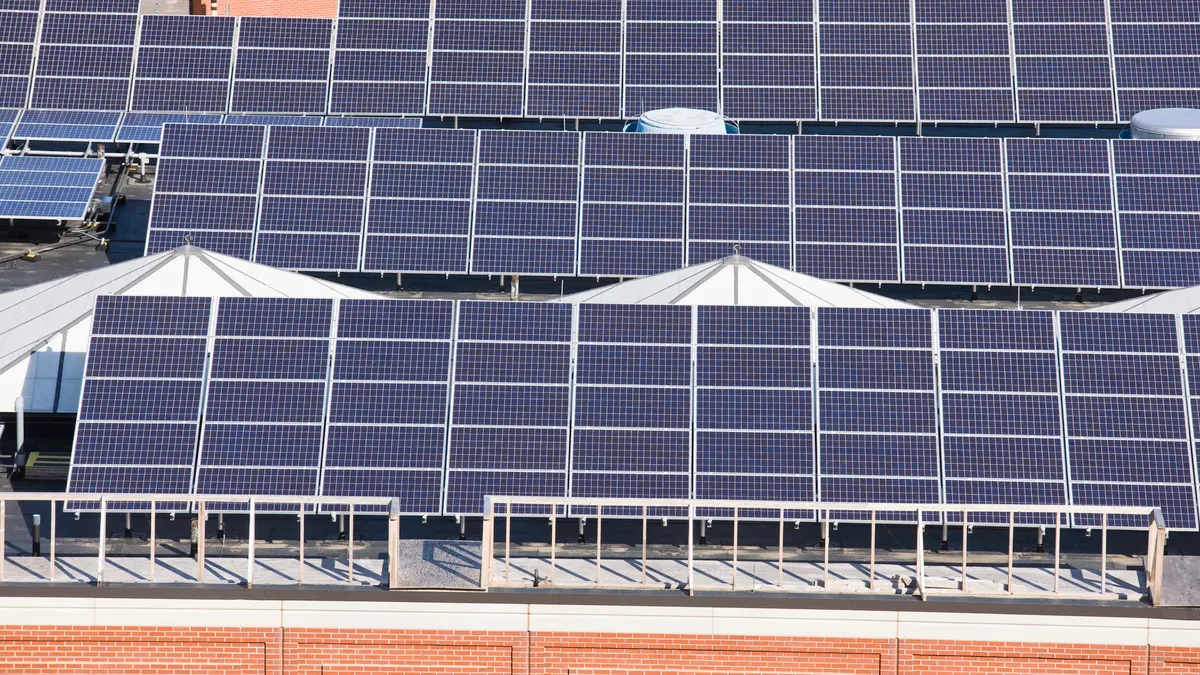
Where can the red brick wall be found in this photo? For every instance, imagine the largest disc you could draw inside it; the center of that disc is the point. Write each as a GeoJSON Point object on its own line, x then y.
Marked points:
{"type": "Point", "coordinates": [312, 9]}
{"type": "Point", "coordinates": [58, 650]}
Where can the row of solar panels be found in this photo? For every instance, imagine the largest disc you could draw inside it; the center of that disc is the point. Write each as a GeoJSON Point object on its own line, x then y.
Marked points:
{"type": "Point", "coordinates": [97, 126]}
{"type": "Point", "coordinates": [833, 60]}
{"type": "Point", "coordinates": [1033, 212]}
{"type": "Point", "coordinates": [440, 403]}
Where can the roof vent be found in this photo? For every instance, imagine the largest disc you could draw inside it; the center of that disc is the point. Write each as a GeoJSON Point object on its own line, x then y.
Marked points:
{"type": "Point", "coordinates": [682, 121]}
{"type": "Point", "coordinates": [1167, 124]}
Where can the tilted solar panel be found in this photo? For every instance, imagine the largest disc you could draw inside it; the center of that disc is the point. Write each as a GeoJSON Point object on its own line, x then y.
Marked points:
{"type": "Point", "coordinates": [1156, 55]}
{"type": "Point", "coordinates": [1063, 61]}
{"type": "Point", "coordinates": [877, 408]}
{"type": "Point", "coordinates": [282, 66]}
{"type": "Point", "coordinates": [386, 432]}
{"type": "Point", "coordinates": [633, 409]}
{"type": "Point", "coordinates": [847, 223]}
{"type": "Point", "coordinates": [574, 59]}
{"type": "Point", "coordinates": [139, 413]}
{"type": "Point", "coordinates": [511, 403]}
{"type": "Point", "coordinates": [739, 194]}
{"type": "Point", "coordinates": [85, 59]}
{"type": "Point", "coordinates": [137, 127]}
{"type": "Point", "coordinates": [18, 35]}
{"type": "Point", "coordinates": [183, 64]}
{"type": "Point", "coordinates": [478, 58]}
{"type": "Point", "coordinates": [1001, 417]}
{"type": "Point", "coordinates": [768, 59]}
{"type": "Point", "coordinates": [753, 438]}
{"type": "Point", "coordinates": [47, 188]}
{"type": "Point", "coordinates": [422, 186]}
{"type": "Point", "coordinates": [1061, 212]}
{"type": "Point", "coordinates": [632, 211]}
{"type": "Point", "coordinates": [379, 61]}
{"type": "Point", "coordinates": [526, 203]}
{"type": "Point", "coordinates": [952, 211]}
{"type": "Point", "coordinates": [866, 60]}
{"type": "Point", "coordinates": [671, 55]}
{"type": "Point", "coordinates": [266, 399]}
{"type": "Point", "coordinates": [67, 125]}
{"type": "Point", "coordinates": [964, 69]}
{"type": "Point", "coordinates": [1126, 422]}
{"type": "Point", "coordinates": [1158, 208]}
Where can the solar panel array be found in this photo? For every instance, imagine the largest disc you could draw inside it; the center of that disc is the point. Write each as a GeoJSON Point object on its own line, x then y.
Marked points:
{"type": "Point", "coordinates": [440, 403]}
{"type": "Point", "coordinates": [1031, 212]}
{"type": "Point", "coordinates": [835, 60]}
{"type": "Point", "coordinates": [47, 188]}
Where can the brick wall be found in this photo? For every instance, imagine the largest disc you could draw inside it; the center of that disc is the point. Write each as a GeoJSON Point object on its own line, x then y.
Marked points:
{"type": "Point", "coordinates": [109, 650]}
{"type": "Point", "coordinates": [313, 9]}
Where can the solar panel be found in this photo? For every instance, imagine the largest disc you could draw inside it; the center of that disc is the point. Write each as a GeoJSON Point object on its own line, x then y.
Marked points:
{"type": "Point", "coordinates": [387, 411]}
{"type": "Point", "coordinates": [7, 118]}
{"type": "Point", "coordinates": [1156, 55]}
{"type": "Point", "coordinates": [1127, 435]}
{"type": "Point", "coordinates": [512, 403]}
{"type": "Point", "coordinates": [183, 63]}
{"type": "Point", "coordinates": [478, 58]}
{"type": "Point", "coordinates": [1158, 208]}
{"type": "Point", "coordinates": [419, 216]}
{"type": "Point", "coordinates": [1063, 61]}
{"type": "Point", "coordinates": [952, 215]}
{"type": "Point", "coordinates": [314, 191]}
{"type": "Point", "coordinates": [739, 194]}
{"type": "Point", "coordinates": [877, 407]}
{"type": "Point", "coordinates": [206, 188]}
{"type": "Point", "coordinates": [768, 66]}
{"type": "Point", "coordinates": [633, 411]}
{"type": "Point", "coordinates": [67, 125]}
{"type": "Point", "coordinates": [375, 122]}
{"type": "Point", "coordinates": [380, 59]}
{"type": "Point", "coordinates": [754, 422]}
{"type": "Point", "coordinates": [964, 68]}
{"type": "Point", "coordinates": [846, 218]}
{"type": "Point", "coordinates": [18, 33]}
{"type": "Point", "coordinates": [147, 127]}
{"type": "Point", "coordinates": [47, 188]}
{"type": "Point", "coordinates": [1061, 213]}
{"type": "Point", "coordinates": [1001, 418]}
{"type": "Point", "coordinates": [574, 59]}
{"type": "Point", "coordinates": [632, 211]}
{"type": "Point", "coordinates": [282, 65]}
{"type": "Point", "coordinates": [866, 63]}
{"type": "Point", "coordinates": [85, 58]}
{"type": "Point", "coordinates": [139, 413]}
{"type": "Point", "coordinates": [671, 55]}
{"type": "Point", "coordinates": [526, 203]}
{"type": "Point", "coordinates": [265, 403]}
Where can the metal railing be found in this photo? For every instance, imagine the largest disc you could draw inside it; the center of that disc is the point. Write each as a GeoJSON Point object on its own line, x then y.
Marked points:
{"type": "Point", "coordinates": [826, 513]}
{"type": "Point", "coordinates": [198, 504]}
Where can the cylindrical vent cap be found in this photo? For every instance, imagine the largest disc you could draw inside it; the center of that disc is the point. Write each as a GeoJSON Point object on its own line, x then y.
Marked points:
{"type": "Point", "coordinates": [683, 121]}
{"type": "Point", "coordinates": [1177, 124]}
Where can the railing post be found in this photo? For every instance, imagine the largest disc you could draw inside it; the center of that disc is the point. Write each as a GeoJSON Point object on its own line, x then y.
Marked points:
{"type": "Point", "coordinates": [964, 551]}
{"type": "Point", "coordinates": [250, 549]}
{"type": "Point", "coordinates": [201, 516]}
{"type": "Point", "coordinates": [599, 521]}
{"type": "Point", "coordinates": [1160, 540]}
{"type": "Point", "coordinates": [507, 541]}
{"type": "Point", "coordinates": [53, 536]}
{"type": "Point", "coordinates": [1057, 546]}
{"type": "Point", "coordinates": [643, 544]}
{"type": "Point", "coordinates": [825, 581]}
{"type": "Point", "coordinates": [487, 543]}
{"type": "Point", "coordinates": [393, 543]}
{"type": "Point", "coordinates": [735, 543]}
{"type": "Point", "coordinates": [1011, 522]}
{"type": "Point", "coordinates": [871, 568]}
{"type": "Point", "coordinates": [153, 534]}
{"type": "Point", "coordinates": [781, 514]}
{"type": "Point", "coordinates": [100, 553]}
{"type": "Point", "coordinates": [554, 542]}
{"type": "Point", "coordinates": [350, 549]}
{"type": "Point", "coordinates": [300, 517]}
{"type": "Point", "coordinates": [691, 577]}
{"type": "Point", "coordinates": [1103, 553]}
{"type": "Point", "coordinates": [921, 551]}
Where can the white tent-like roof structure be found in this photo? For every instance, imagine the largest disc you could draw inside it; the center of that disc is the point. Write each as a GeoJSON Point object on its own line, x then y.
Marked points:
{"type": "Point", "coordinates": [735, 280]}
{"type": "Point", "coordinates": [1180, 301]}
{"type": "Point", "coordinates": [44, 328]}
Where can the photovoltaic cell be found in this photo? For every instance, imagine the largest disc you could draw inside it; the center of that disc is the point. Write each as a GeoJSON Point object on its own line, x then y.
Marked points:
{"type": "Point", "coordinates": [526, 203]}
{"type": "Point", "coordinates": [952, 211]}
{"type": "Point", "coordinates": [282, 65]}
{"type": "Point", "coordinates": [1158, 208]}
{"type": "Point", "coordinates": [387, 411]}
{"type": "Point", "coordinates": [574, 59]}
{"type": "Point", "coordinates": [670, 56]}
{"type": "Point", "coordinates": [846, 217]}
{"type": "Point", "coordinates": [265, 403]}
{"type": "Point", "coordinates": [739, 195]}
{"type": "Point", "coordinates": [753, 386]}
{"type": "Point", "coordinates": [866, 61]}
{"type": "Point", "coordinates": [632, 211]}
{"type": "Point", "coordinates": [768, 60]}
{"type": "Point", "coordinates": [1127, 435]}
{"type": "Point", "coordinates": [183, 64]}
{"type": "Point", "coordinates": [511, 403]}
{"type": "Point", "coordinates": [1000, 410]}
{"type": "Point", "coordinates": [877, 409]}
{"type": "Point", "coordinates": [1063, 62]}
{"type": "Point", "coordinates": [139, 412]}
{"type": "Point", "coordinates": [419, 215]}
{"type": "Point", "coordinates": [964, 71]}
